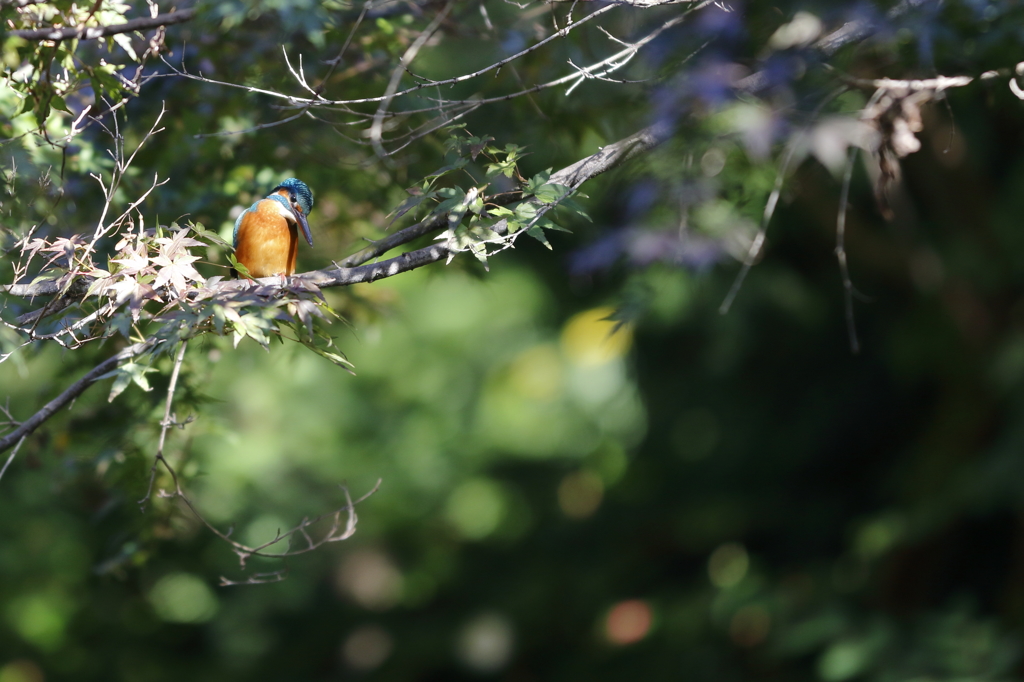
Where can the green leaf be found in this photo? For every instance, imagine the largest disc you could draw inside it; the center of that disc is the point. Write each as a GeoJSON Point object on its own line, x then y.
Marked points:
{"type": "Point", "coordinates": [506, 168]}
{"type": "Point", "coordinates": [242, 270]}
{"type": "Point", "coordinates": [126, 374]}
{"type": "Point", "coordinates": [526, 211]}
{"type": "Point", "coordinates": [444, 170]}
{"type": "Point", "coordinates": [451, 192]}
{"type": "Point", "coordinates": [456, 202]}
{"type": "Point", "coordinates": [552, 192]}
{"type": "Point", "coordinates": [255, 328]}
{"type": "Point", "coordinates": [548, 224]}
{"type": "Point", "coordinates": [120, 383]}
{"type": "Point", "coordinates": [122, 324]}
{"type": "Point", "coordinates": [537, 233]}
{"type": "Point", "coordinates": [411, 203]}
{"type": "Point", "coordinates": [58, 103]}
{"type": "Point", "coordinates": [570, 205]}
{"type": "Point", "coordinates": [209, 235]}
{"type": "Point", "coordinates": [537, 181]}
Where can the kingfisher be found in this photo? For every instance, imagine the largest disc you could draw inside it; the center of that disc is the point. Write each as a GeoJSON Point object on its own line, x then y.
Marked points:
{"type": "Point", "coordinates": [266, 236]}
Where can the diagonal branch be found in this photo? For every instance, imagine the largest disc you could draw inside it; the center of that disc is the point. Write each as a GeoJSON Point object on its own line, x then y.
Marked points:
{"type": "Point", "coordinates": [73, 391]}
{"type": "Point", "coordinates": [93, 32]}
{"type": "Point", "coordinates": [572, 176]}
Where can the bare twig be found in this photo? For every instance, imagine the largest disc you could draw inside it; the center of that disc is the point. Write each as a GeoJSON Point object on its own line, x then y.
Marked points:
{"type": "Point", "coordinates": [758, 241]}
{"type": "Point", "coordinates": [844, 268]}
{"type": "Point", "coordinates": [338, 530]}
{"type": "Point", "coordinates": [396, 77]}
{"type": "Point", "coordinates": [937, 84]}
{"type": "Point", "coordinates": [167, 421]}
{"type": "Point", "coordinates": [10, 459]}
{"type": "Point", "coordinates": [769, 208]}
{"type": "Point", "coordinates": [414, 88]}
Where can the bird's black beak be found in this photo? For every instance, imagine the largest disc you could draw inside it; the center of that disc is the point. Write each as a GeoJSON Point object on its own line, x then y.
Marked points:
{"type": "Point", "coordinates": [301, 219]}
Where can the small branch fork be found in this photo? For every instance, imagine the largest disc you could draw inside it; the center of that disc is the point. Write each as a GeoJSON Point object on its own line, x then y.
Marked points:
{"type": "Point", "coordinates": [338, 530]}
{"type": "Point", "coordinates": [443, 111]}
{"type": "Point", "coordinates": [168, 421]}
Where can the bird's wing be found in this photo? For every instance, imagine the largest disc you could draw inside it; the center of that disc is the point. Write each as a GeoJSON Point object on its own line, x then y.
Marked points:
{"type": "Point", "coordinates": [238, 223]}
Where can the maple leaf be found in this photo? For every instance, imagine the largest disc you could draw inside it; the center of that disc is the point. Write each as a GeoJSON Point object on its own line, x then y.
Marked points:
{"type": "Point", "coordinates": [134, 260]}
{"type": "Point", "coordinates": [177, 271]}
{"type": "Point", "coordinates": [177, 245]}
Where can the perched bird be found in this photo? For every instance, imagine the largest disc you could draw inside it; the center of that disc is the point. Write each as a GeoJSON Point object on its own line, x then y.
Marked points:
{"type": "Point", "coordinates": [266, 237]}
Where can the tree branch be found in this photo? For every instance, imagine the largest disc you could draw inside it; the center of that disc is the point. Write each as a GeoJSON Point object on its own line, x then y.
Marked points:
{"type": "Point", "coordinates": [93, 32]}
{"type": "Point", "coordinates": [352, 270]}
{"type": "Point", "coordinates": [48, 287]}
{"type": "Point", "coordinates": [572, 176]}
{"type": "Point", "coordinates": [73, 391]}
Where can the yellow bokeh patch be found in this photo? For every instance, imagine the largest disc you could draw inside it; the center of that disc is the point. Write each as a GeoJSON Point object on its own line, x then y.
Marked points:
{"type": "Point", "coordinates": [591, 338]}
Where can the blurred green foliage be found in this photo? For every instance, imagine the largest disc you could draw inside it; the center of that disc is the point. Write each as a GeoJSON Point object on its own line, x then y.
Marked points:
{"type": "Point", "coordinates": [587, 472]}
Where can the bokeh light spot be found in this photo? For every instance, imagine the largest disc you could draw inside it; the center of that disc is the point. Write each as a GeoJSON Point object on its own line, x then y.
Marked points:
{"type": "Point", "coordinates": [728, 564]}
{"type": "Point", "coordinates": [713, 161]}
{"type": "Point", "coordinates": [476, 508]}
{"type": "Point", "coordinates": [371, 579]}
{"type": "Point", "coordinates": [536, 373]}
{"type": "Point", "coordinates": [580, 494]}
{"type": "Point", "coordinates": [590, 338]}
{"type": "Point", "coordinates": [628, 622]}
{"type": "Point", "coordinates": [750, 625]}
{"type": "Point", "coordinates": [843, 660]}
{"type": "Point", "coordinates": [183, 598]}
{"type": "Point", "coordinates": [39, 619]}
{"type": "Point", "coordinates": [367, 647]}
{"type": "Point", "coordinates": [485, 643]}
{"type": "Point", "coordinates": [878, 536]}
{"type": "Point", "coordinates": [802, 30]}
{"type": "Point", "coordinates": [21, 671]}
{"type": "Point", "coordinates": [266, 529]}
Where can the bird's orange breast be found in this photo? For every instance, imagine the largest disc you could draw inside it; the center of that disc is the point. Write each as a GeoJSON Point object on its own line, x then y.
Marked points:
{"type": "Point", "coordinates": [268, 243]}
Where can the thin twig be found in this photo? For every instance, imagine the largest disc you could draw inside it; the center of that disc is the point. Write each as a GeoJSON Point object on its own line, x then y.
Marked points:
{"type": "Point", "coordinates": [337, 532]}
{"type": "Point", "coordinates": [10, 459]}
{"type": "Point", "coordinates": [396, 77]}
{"type": "Point", "coordinates": [415, 88]}
{"type": "Point", "coordinates": [167, 421]}
{"type": "Point", "coordinates": [769, 208]}
{"type": "Point", "coordinates": [844, 268]}
{"type": "Point", "coordinates": [755, 245]}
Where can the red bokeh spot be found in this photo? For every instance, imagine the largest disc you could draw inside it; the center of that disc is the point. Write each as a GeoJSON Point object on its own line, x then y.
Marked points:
{"type": "Point", "coordinates": [628, 622]}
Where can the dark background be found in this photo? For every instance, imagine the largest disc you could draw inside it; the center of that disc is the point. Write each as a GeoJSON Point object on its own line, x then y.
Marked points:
{"type": "Point", "coordinates": [697, 496]}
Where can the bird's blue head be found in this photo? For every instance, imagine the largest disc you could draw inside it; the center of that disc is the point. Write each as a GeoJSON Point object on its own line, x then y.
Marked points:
{"type": "Point", "coordinates": [300, 190]}
{"type": "Point", "coordinates": [300, 198]}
